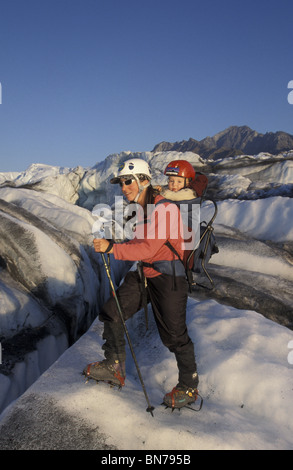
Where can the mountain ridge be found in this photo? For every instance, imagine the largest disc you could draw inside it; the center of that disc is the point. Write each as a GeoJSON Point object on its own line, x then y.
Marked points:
{"type": "Point", "coordinates": [235, 140]}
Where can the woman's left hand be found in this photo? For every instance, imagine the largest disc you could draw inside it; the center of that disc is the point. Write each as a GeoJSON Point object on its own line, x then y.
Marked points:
{"type": "Point", "coordinates": [101, 245]}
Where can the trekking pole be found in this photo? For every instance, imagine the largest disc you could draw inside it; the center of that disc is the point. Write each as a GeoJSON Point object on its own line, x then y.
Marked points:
{"type": "Point", "coordinates": [150, 408]}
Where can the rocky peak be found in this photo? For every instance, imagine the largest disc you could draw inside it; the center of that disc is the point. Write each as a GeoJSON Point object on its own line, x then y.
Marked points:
{"type": "Point", "coordinates": [232, 141]}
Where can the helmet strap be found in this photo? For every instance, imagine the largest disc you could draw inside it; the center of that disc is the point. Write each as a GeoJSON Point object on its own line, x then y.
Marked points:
{"type": "Point", "coordinates": [141, 187]}
{"type": "Point", "coordinates": [186, 182]}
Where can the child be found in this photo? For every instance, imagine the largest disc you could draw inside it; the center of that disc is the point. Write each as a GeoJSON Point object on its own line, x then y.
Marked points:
{"type": "Point", "coordinates": [183, 180]}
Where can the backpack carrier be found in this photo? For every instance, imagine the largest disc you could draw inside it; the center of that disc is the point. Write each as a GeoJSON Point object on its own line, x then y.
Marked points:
{"type": "Point", "coordinates": [195, 260]}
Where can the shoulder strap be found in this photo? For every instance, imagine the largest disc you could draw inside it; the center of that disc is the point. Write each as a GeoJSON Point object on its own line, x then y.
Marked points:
{"type": "Point", "coordinates": [172, 248]}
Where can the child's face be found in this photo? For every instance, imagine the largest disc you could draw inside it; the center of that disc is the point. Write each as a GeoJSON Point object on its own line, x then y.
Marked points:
{"type": "Point", "coordinates": [175, 183]}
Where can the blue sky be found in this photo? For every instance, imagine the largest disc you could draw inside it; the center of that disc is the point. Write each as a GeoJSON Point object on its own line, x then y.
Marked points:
{"type": "Point", "coordinates": [82, 79]}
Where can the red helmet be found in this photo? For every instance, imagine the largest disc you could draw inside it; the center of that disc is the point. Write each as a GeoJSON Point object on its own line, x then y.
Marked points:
{"type": "Point", "coordinates": [180, 168]}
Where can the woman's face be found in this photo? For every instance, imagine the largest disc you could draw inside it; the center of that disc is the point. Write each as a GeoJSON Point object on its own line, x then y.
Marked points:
{"type": "Point", "coordinates": [129, 188]}
{"type": "Point", "coordinates": [175, 183]}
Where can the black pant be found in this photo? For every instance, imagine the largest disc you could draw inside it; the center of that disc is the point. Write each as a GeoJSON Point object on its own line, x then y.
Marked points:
{"type": "Point", "coordinates": [169, 308]}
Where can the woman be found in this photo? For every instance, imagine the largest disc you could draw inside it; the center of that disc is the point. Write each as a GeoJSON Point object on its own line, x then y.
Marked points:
{"type": "Point", "coordinates": [168, 299]}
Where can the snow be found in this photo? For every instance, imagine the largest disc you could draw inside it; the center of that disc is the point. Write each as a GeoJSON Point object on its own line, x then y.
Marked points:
{"type": "Point", "coordinates": [264, 218]}
{"type": "Point", "coordinates": [244, 359]}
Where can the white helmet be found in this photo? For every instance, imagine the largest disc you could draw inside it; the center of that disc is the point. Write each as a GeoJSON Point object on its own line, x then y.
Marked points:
{"type": "Point", "coordinates": [135, 167]}
{"type": "Point", "coordinates": [138, 169]}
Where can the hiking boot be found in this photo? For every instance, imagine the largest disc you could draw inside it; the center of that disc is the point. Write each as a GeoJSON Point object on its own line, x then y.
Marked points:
{"type": "Point", "coordinates": [180, 396]}
{"type": "Point", "coordinates": [106, 371]}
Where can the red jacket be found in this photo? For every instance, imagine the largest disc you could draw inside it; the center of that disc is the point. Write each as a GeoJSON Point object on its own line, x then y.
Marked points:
{"type": "Point", "coordinates": [149, 238]}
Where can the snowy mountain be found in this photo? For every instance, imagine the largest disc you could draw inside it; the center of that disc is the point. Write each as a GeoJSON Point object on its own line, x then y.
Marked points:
{"type": "Point", "coordinates": [52, 285]}
{"type": "Point", "coordinates": [235, 140]}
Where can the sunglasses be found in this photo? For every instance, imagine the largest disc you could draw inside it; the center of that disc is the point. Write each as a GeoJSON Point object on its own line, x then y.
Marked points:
{"type": "Point", "coordinates": [126, 182]}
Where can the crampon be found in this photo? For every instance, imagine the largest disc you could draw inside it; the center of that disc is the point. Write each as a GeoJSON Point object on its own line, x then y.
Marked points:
{"type": "Point", "coordinates": [103, 371]}
{"type": "Point", "coordinates": [183, 398]}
